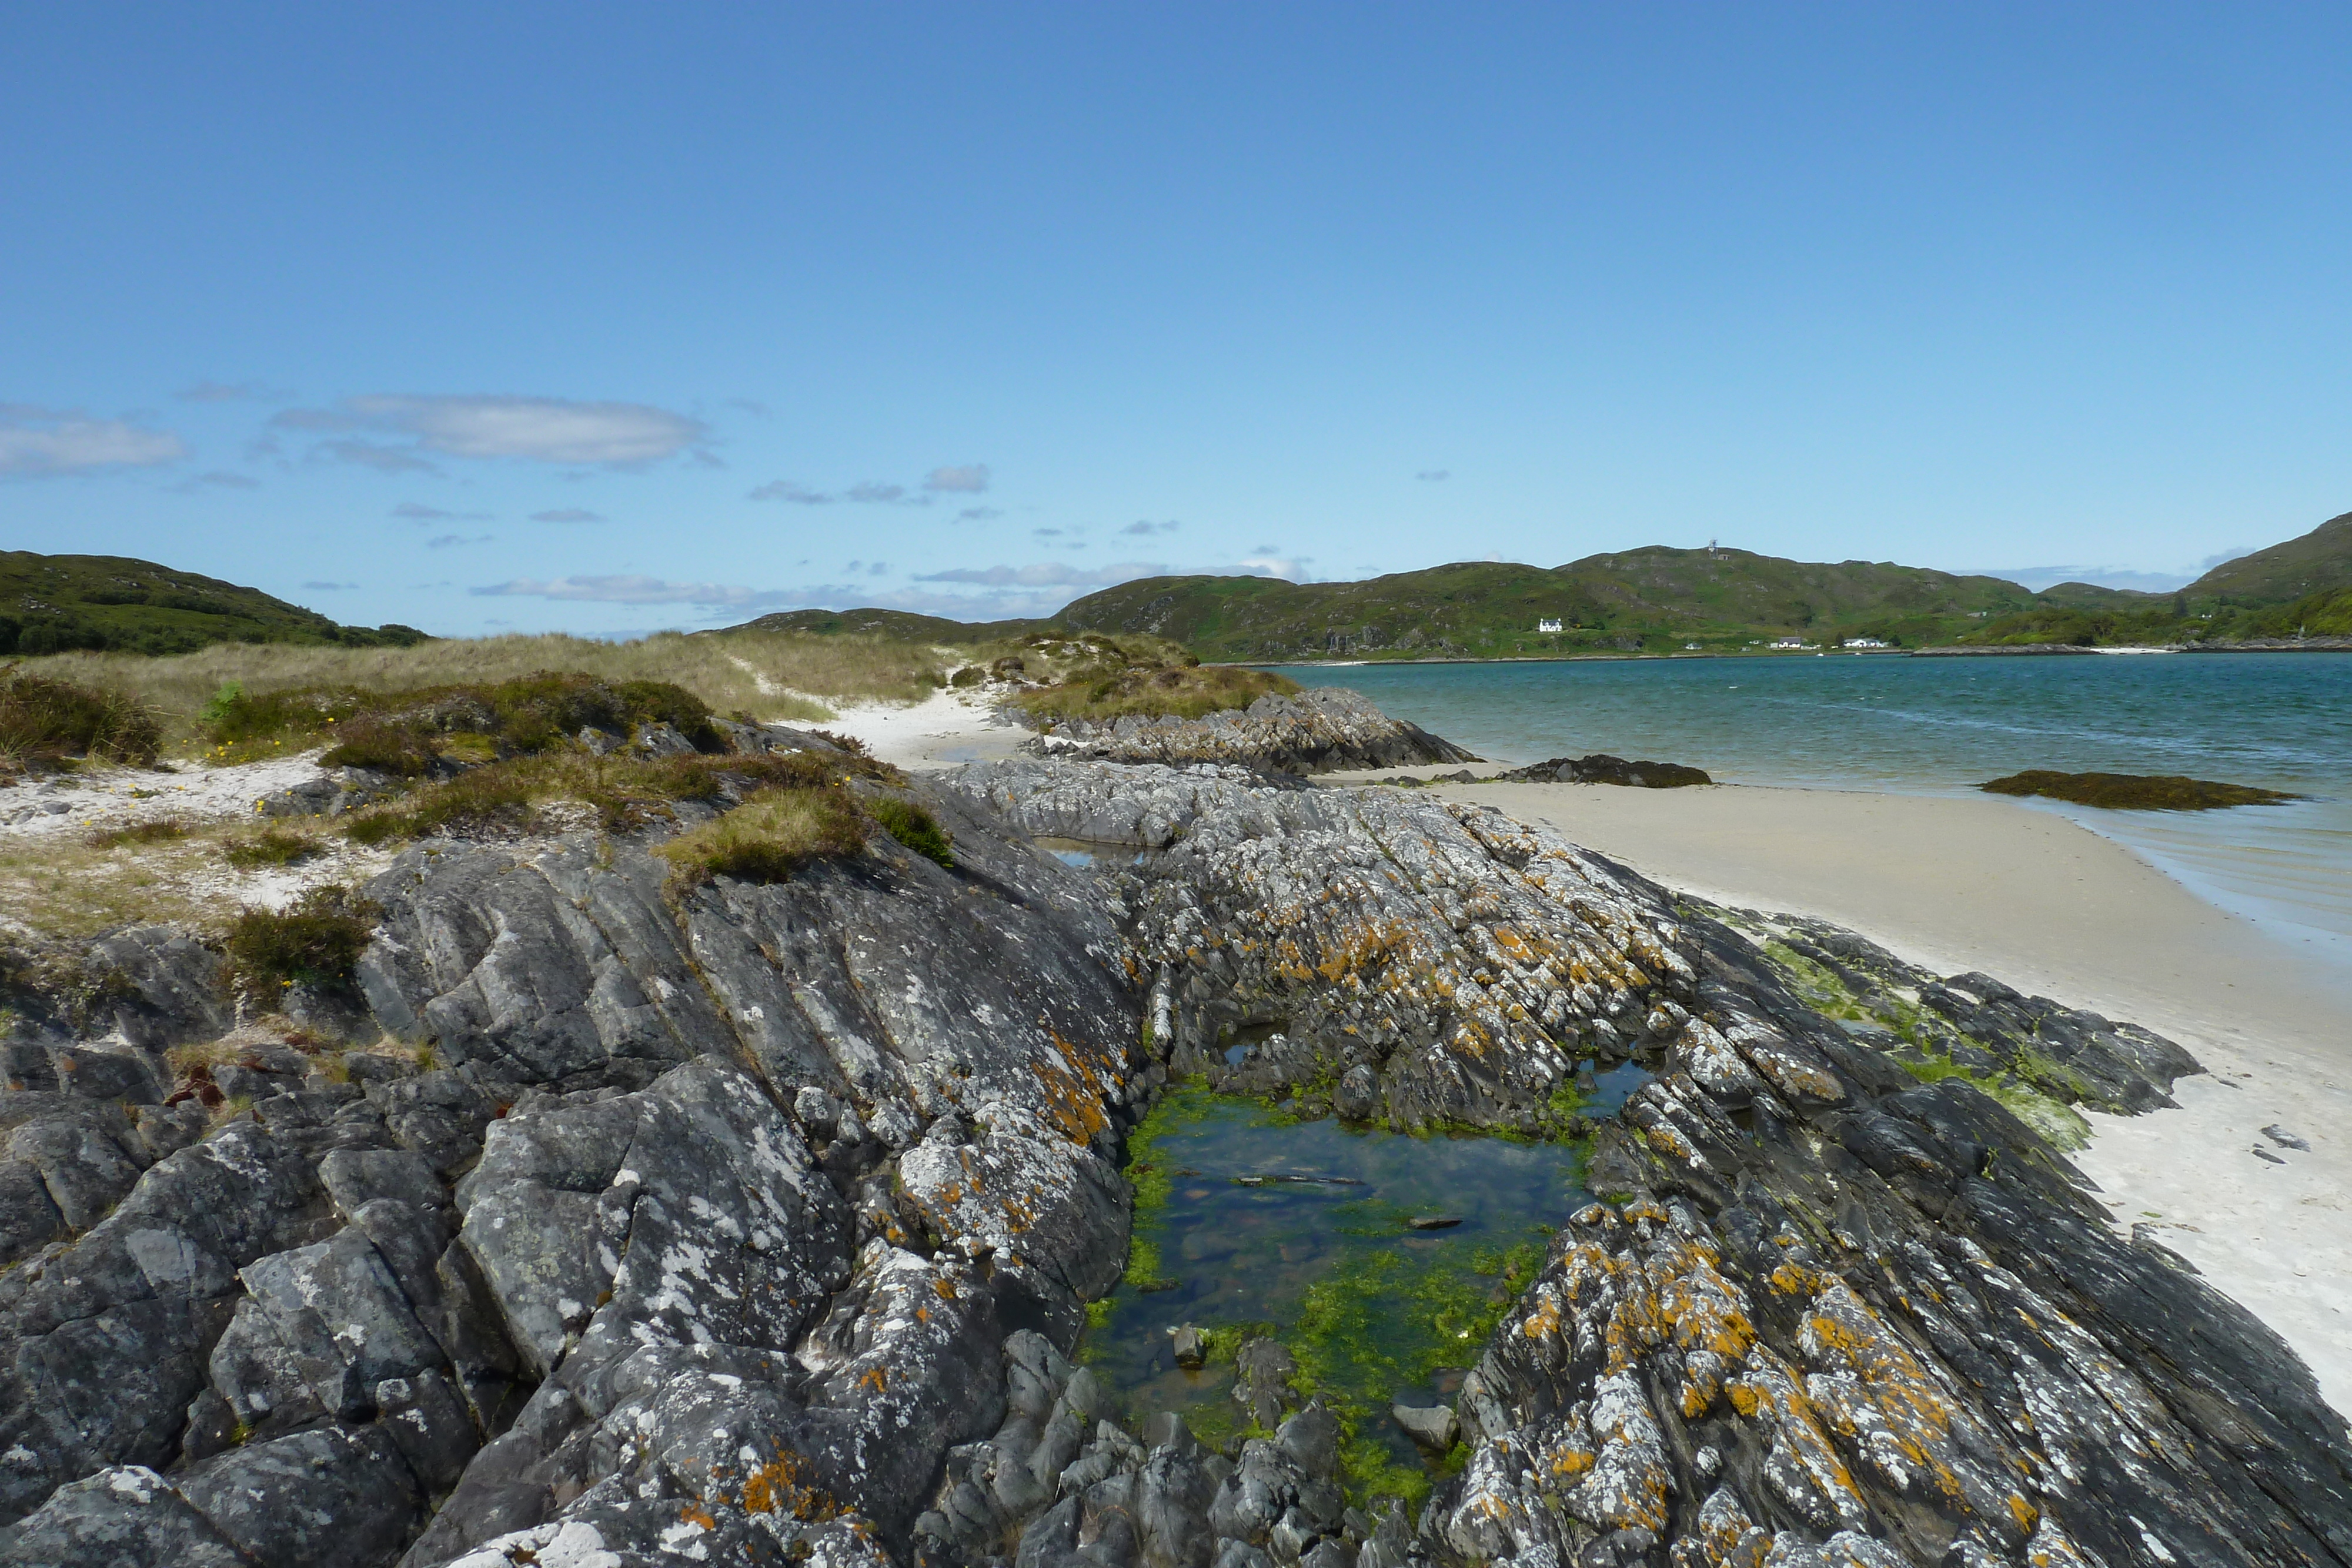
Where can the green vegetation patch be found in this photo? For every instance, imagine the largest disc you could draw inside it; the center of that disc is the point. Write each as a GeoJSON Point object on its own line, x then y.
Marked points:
{"type": "Point", "coordinates": [2135, 791]}
{"type": "Point", "coordinates": [408, 733]}
{"type": "Point", "coordinates": [627, 792]}
{"type": "Point", "coordinates": [44, 721]}
{"type": "Point", "coordinates": [159, 831]}
{"type": "Point", "coordinates": [767, 838]}
{"type": "Point", "coordinates": [57, 603]}
{"type": "Point", "coordinates": [269, 847]}
{"type": "Point", "coordinates": [2059, 1124]}
{"type": "Point", "coordinates": [317, 941]}
{"type": "Point", "coordinates": [1150, 691]}
{"type": "Point", "coordinates": [913, 827]}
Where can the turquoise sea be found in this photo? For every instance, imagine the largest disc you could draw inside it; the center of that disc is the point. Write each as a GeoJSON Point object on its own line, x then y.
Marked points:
{"type": "Point", "coordinates": [1940, 727]}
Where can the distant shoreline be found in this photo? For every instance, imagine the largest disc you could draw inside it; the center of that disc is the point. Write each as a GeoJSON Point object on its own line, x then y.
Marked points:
{"type": "Point", "coordinates": [2032, 650]}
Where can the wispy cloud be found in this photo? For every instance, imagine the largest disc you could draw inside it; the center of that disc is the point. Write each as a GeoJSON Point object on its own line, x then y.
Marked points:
{"type": "Point", "coordinates": [370, 455]}
{"type": "Point", "coordinates": [978, 514]}
{"type": "Point", "coordinates": [630, 589]}
{"type": "Point", "coordinates": [536, 429]}
{"type": "Point", "coordinates": [417, 512]}
{"type": "Point", "coordinates": [331, 587]}
{"type": "Point", "coordinates": [221, 391]}
{"type": "Point", "coordinates": [968, 479]}
{"type": "Point", "coordinates": [1048, 573]}
{"type": "Point", "coordinates": [219, 479]}
{"type": "Point", "coordinates": [864, 493]}
{"type": "Point", "coordinates": [566, 515]}
{"type": "Point", "coordinates": [43, 443]}
{"type": "Point", "coordinates": [447, 541]}
{"type": "Point", "coordinates": [1149, 527]}
{"type": "Point", "coordinates": [789, 490]}
{"type": "Point", "coordinates": [1432, 476]}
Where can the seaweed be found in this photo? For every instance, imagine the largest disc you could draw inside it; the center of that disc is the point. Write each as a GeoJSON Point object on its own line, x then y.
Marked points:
{"type": "Point", "coordinates": [2135, 791]}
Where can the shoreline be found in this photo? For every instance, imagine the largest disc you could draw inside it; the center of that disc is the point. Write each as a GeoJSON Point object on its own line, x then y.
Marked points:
{"type": "Point", "coordinates": [2053, 908]}
{"type": "Point", "coordinates": [1939, 651]}
{"type": "Point", "coordinates": [2037, 900]}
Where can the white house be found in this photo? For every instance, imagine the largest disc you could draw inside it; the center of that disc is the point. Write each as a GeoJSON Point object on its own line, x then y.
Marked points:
{"type": "Point", "coordinates": [1865, 643]}
{"type": "Point", "coordinates": [1790, 643]}
{"type": "Point", "coordinates": [1547, 624]}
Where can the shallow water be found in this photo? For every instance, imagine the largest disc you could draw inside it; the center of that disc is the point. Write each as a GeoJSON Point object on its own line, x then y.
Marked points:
{"type": "Point", "coordinates": [1395, 1311]}
{"type": "Point", "coordinates": [1940, 727]}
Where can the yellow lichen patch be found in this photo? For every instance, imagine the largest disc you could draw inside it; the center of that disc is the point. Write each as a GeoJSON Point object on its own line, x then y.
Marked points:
{"type": "Point", "coordinates": [945, 1287]}
{"type": "Point", "coordinates": [873, 1379]}
{"type": "Point", "coordinates": [1796, 1279]}
{"type": "Point", "coordinates": [1071, 1100]}
{"type": "Point", "coordinates": [776, 1487]}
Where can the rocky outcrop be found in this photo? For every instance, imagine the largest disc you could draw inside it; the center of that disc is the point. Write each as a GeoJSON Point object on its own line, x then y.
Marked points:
{"type": "Point", "coordinates": [753, 1224]}
{"type": "Point", "coordinates": [1319, 730]}
{"type": "Point", "coordinates": [1602, 768]}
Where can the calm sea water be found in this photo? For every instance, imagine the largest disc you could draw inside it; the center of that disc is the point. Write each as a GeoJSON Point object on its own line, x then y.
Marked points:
{"type": "Point", "coordinates": [1940, 727]}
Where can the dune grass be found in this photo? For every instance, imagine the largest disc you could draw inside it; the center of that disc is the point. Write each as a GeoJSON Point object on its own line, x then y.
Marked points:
{"type": "Point", "coordinates": [783, 675]}
{"type": "Point", "coordinates": [1146, 686]}
{"type": "Point", "coordinates": [767, 838]}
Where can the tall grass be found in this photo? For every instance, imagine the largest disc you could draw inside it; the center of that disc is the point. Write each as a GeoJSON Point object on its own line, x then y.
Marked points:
{"type": "Point", "coordinates": [770, 676]}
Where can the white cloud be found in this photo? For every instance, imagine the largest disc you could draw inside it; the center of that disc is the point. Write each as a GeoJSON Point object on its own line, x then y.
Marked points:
{"type": "Point", "coordinates": [873, 493]}
{"type": "Point", "coordinates": [331, 587]}
{"type": "Point", "coordinates": [1149, 527]}
{"type": "Point", "coordinates": [1432, 476]}
{"type": "Point", "coordinates": [443, 541]}
{"type": "Point", "coordinates": [539, 429]}
{"type": "Point", "coordinates": [369, 455]}
{"type": "Point", "coordinates": [630, 589]}
{"type": "Point", "coordinates": [217, 392]}
{"type": "Point", "coordinates": [41, 443]}
{"type": "Point", "coordinates": [969, 479]}
{"type": "Point", "coordinates": [566, 515]}
{"type": "Point", "coordinates": [787, 490]}
{"type": "Point", "coordinates": [1293, 568]}
{"type": "Point", "coordinates": [216, 480]}
{"type": "Point", "coordinates": [978, 514]}
{"type": "Point", "coordinates": [1049, 573]}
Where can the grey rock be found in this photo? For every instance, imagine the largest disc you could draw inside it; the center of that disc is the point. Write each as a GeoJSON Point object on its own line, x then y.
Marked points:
{"type": "Point", "coordinates": [1431, 1427]}
{"type": "Point", "coordinates": [330, 1495]}
{"type": "Point", "coordinates": [1316, 731]}
{"type": "Point", "coordinates": [1190, 1347]}
{"type": "Point", "coordinates": [125, 1517]}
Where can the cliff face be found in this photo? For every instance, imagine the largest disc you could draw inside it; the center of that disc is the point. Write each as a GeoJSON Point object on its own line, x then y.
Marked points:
{"type": "Point", "coordinates": [597, 1226]}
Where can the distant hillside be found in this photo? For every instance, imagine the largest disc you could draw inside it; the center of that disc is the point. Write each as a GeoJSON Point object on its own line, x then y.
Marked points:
{"type": "Point", "coordinates": [1655, 599]}
{"type": "Point", "coordinates": [899, 623]}
{"type": "Point", "coordinates": [2312, 563]}
{"type": "Point", "coordinates": [1661, 600]}
{"type": "Point", "coordinates": [54, 603]}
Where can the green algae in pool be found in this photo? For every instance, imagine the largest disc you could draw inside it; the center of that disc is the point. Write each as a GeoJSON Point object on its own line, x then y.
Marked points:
{"type": "Point", "coordinates": [1373, 1308]}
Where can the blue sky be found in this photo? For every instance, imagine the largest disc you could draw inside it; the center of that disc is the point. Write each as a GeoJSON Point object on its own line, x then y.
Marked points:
{"type": "Point", "coordinates": [606, 317]}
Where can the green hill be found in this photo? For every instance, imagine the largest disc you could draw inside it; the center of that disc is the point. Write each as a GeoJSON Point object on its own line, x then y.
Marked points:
{"type": "Point", "coordinates": [1661, 600]}
{"type": "Point", "coordinates": [1655, 599]}
{"type": "Point", "coordinates": [2312, 563]}
{"type": "Point", "coordinates": [897, 624]}
{"type": "Point", "coordinates": [54, 603]}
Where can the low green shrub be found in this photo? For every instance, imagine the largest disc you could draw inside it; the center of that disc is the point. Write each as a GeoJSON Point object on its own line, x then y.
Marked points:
{"type": "Point", "coordinates": [269, 847]}
{"type": "Point", "coordinates": [318, 941]}
{"type": "Point", "coordinates": [1175, 691]}
{"type": "Point", "coordinates": [769, 837]}
{"type": "Point", "coordinates": [913, 827]}
{"type": "Point", "coordinates": [44, 721]}
{"type": "Point", "coordinates": [157, 830]}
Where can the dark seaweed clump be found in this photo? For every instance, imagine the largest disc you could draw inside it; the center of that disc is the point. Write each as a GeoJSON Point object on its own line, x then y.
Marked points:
{"type": "Point", "coordinates": [2136, 791]}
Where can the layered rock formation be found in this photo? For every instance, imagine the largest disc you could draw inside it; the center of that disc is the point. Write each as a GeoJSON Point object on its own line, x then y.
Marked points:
{"type": "Point", "coordinates": [1319, 730]}
{"type": "Point", "coordinates": [754, 1225]}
